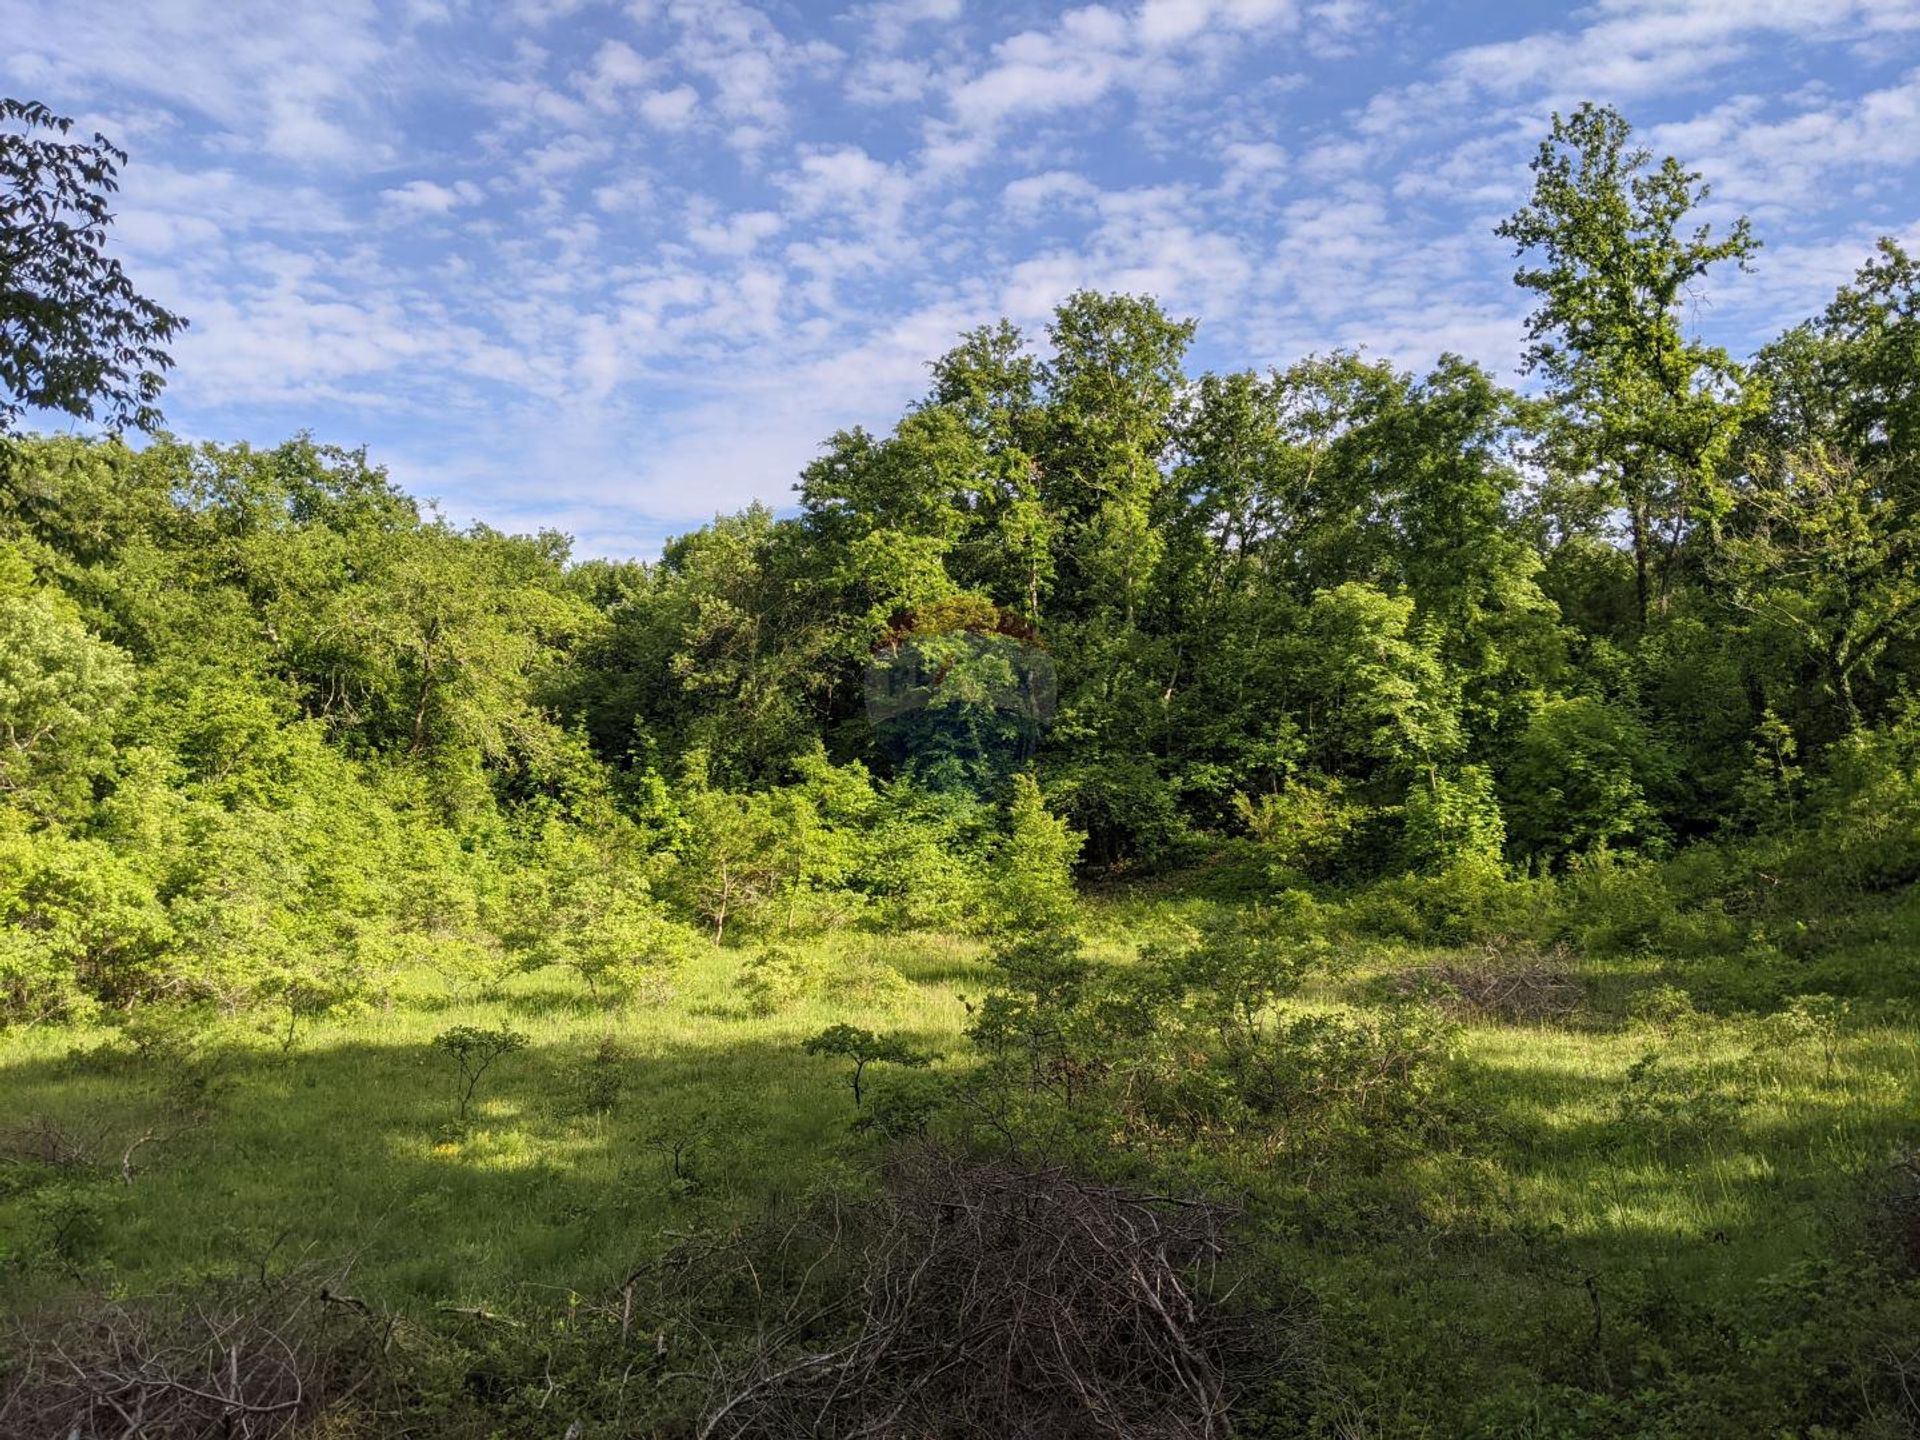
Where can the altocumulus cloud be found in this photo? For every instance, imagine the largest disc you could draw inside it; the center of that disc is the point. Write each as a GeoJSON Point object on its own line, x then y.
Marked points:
{"type": "Point", "coordinates": [614, 268]}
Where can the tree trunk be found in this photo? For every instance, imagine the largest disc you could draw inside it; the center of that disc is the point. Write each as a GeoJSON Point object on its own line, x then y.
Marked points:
{"type": "Point", "coordinates": [1638, 512]}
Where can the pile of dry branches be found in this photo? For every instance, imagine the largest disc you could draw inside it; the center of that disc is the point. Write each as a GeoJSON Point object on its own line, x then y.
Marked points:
{"type": "Point", "coordinates": [1903, 1209]}
{"type": "Point", "coordinates": [248, 1360]}
{"type": "Point", "coordinates": [992, 1297]}
{"type": "Point", "coordinates": [47, 1142]}
{"type": "Point", "coordinates": [1501, 988]}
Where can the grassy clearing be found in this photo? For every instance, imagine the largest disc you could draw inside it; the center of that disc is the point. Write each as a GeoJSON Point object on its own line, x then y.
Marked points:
{"type": "Point", "coordinates": [1586, 1184]}
{"type": "Point", "coordinates": [343, 1145]}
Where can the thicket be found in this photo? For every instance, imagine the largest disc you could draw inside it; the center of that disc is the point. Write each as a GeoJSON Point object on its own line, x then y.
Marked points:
{"type": "Point", "coordinates": [271, 731]}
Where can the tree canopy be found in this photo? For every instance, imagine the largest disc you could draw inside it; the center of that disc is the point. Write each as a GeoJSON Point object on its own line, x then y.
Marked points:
{"type": "Point", "coordinates": [75, 336]}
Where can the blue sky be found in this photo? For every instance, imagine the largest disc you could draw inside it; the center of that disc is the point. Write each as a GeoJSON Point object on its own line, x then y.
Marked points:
{"type": "Point", "coordinates": [613, 268]}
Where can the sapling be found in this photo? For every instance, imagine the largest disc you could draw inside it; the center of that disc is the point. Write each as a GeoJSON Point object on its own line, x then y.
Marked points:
{"type": "Point", "coordinates": [600, 1078]}
{"type": "Point", "coordinates": [676, 1142]}
{"type": "Point", "coordinates": [474, 1050]}
{"type": "Point", "coordinates": [865, 1048]}
{"type": "Point", "coordinates": [1817, 1019]}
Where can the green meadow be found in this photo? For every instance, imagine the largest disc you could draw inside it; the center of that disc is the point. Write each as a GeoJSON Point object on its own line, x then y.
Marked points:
{"type": "Point", "coordinates": [1562, 1235]}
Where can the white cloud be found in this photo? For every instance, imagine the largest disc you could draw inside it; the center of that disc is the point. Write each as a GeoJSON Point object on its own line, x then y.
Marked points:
{"type": "Point", "coordinates": [888, 81]}
{"type": "Point", "coordinates": [887, 24]}
{"type": "Point", "coordinates": [1777, 166]}
{"type": "Point", "coordinates": [289, 81]}
{"type": "Point", "coordinates": [1627, 50]}
{"type": "Point", "coordinates": [747, 60]}
{"type": "Point", "coordinates": [1162, 49]}
{"type": "Point", "coordinates": [738, 234]}
{"type": "Point", "coordinates": [627, 194]}
{"type": "Point", "coordinates": [617, 68]}
{"type": "Point", "coordinates": [429, 197]}
{"type": "Point", "coordinates": [670, 109]}
{"type": "Point", "coordinates": [844, 180]}
{"type": "Point", "coordinates": [1248, 165]}
{"type": "Point", "coordinates": [1166, 22]}
{"type": "Point", "coordinates": [1031, 195]}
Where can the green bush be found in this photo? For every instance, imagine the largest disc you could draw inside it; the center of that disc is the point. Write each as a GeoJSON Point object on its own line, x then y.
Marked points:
{"type": "Point", "coordinates": [1584, 779]}
{"type": "Point", "coordinates": [1451, 821]}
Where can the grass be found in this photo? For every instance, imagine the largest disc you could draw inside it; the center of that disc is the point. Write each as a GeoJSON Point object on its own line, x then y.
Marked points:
{"type": "Point", "coordinates": [343, 1144]}
{"type": "Point", "coordinates": [1450, 1271]}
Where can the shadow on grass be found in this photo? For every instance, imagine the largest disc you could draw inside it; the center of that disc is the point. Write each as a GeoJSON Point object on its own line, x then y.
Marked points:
{"type": "Point", "coordinates": [354, 1149]}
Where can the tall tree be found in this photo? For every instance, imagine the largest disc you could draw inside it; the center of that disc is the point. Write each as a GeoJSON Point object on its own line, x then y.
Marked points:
{"type": "Point", "coordinates": [75, 336]}
{"type": "Point", "coordinates": [1649, 410]}
{"type": "Point", "coordinates": [1111, 386]}
{"type": "Point", "coordinates": [1873, 334]}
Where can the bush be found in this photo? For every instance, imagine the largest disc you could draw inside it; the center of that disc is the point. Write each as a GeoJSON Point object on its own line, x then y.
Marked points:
{"type": "Point", "coordinates": [1471, 899]}
{"type": "Point", "coordinates": [79, 928]}
{"type": "Point", "coordinates": [1202, 1041]}
{"type": "Point", "coordinates": [1454, 821]}
{"type": "Point", "coordinates": [588, 906]}
{"type": "Point", "coordinates": [1664, 1105]}
{"type": "Point", "coordinates": [1313, 829]}
{"type": "Point", "coordinates": [1032, 885]}
{"type": "Point", "coordinates": [1583, 779]}
{"type": "Point", "coordinates": [600, 1078]}
{"type": "Point", "coordinates": [928, 864]}
{"type": "Point", "coordinates": [775, 976]}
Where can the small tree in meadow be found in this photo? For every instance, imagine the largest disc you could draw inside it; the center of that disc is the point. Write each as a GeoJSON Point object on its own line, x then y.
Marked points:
{"type": "Point", "coordinates": [1032, 885]}
{"type": "Point", "coordinates": [475, 1050]}
{"type": "Point", "coordinates": [588, 907]}
{"type": "Point", "coordinates": [731, 865]}
{"type": "Point", "coordinates": [865, 1048]}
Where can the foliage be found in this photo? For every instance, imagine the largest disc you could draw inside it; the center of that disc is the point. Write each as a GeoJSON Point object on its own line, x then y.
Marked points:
{"type": "Point", "coordinates": [588, 907]}
{"type": "Point", "coordinates": [474, 1050]}
{"type": "Point", "coordinates": [1654, 412]}
{"type": "Point", "coordinates": [1454, 819]}
{"type": "Point", "coordinates": [864, 1048]}
{"type": "Point", "coordinates": [78, 337]}
{"type": "Point", "coordinates": [1033, 870]}
{"type": "Point", "coordinates": [1581, 780]}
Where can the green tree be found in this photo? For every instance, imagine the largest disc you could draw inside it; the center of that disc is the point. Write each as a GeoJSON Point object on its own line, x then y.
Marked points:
{"type": "Point", "coordinates": [581, 900]}
{"type": "Point", "coordinates": [1872, 367]}
{"type": "Point", "coordinates": [75, 336]}
{"type": "Point", "coordinates": [729, 866]}
{"type": "Point", "coordinates": [1378, 689]}
{"type": "Point", "coordinates": [1454, 819]}
{"type": "Point", "coordinates": [1110, 386]}
{"type": "Point", "coordinates": [1825, 550]}
{"type": "Point", "coordinates": [59, 690]}
{"type": "Point", "coordinates": [864, 1048]}
{"type": "Point", "coordinates": [1032, 884]}
{"type": "Point", "coordinates": [1651, 412]}
{"type": "Point", "coordinates": [475, 1050]}
{"type": "Point", "coordinates": [1584, 779]}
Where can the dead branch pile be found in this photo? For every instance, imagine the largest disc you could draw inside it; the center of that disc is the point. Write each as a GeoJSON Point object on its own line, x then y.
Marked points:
{"type": "Point", "coordinates": [43, 1141]}
{"type": "Point", "coordinates": [1498, 988]}
{"type": "Point", "coordinates": [247, 1360]}
{"type": "Point", "coordinates": [995, 1298]}
{"type": "Point", "coordinates": [1903, 1209]}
